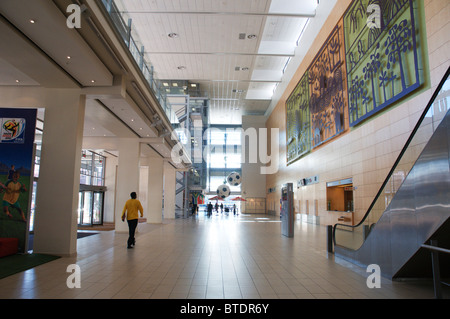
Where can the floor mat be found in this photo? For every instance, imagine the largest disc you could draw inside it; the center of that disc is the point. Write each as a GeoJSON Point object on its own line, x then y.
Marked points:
{"type": "Point", "coordinates": [11, 265]}
{"type": "Point", "coordinates": [80, 234]}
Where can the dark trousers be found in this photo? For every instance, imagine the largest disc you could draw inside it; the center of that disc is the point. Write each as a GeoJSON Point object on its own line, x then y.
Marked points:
{"type": "Point", "coordinates": [132, 224]}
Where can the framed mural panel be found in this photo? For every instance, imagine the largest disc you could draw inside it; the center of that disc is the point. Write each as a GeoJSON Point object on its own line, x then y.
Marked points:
{"type": "Point", "coordinates": [328, 89]}
{"type": "Point", "coordinates": [298, 128]}
{"type": "Point", "coordinates": [382, 61]}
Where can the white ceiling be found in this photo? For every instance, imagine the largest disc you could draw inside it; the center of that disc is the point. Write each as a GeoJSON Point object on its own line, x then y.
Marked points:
{"type": "Point", "coordinates": [208, 46]}
{"type": "Point", "coordinates": [238, 75]}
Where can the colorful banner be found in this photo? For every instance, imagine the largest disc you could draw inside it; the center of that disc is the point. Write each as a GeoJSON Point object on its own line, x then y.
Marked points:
{"type": "Point", "coordinates": [17, 129]}
{"type": "Point", "coordinates": [198, 198]}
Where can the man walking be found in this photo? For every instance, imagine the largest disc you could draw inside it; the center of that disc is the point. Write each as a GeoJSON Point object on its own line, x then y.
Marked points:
{"type": "Point", "coordinates": [131, 210]}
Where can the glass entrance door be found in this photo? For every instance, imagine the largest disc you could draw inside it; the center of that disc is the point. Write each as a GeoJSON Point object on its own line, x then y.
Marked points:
{"type": "Point", "coordinates": [97, 208]}
{"type": "Point", "coordinates": [80, 207]}
{"type": "Point", "coordinates": [90, 208]}
{"type": "Point", "coordinates": [87, 208]}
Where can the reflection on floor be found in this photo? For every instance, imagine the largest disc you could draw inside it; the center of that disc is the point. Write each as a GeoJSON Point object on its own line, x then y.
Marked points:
{"type": "Point", "coordinates": [222, 256]}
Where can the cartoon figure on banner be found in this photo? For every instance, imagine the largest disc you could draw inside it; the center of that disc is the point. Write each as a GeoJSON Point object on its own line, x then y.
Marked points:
{"type": "Point", "coordinates": [12, 189]}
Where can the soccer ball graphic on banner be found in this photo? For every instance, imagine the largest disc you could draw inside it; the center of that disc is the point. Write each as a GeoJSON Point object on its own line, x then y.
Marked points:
{"type": "Point", "coordinates": [234, 179]}
{"type": "Point", "coordinates": [223, 191]}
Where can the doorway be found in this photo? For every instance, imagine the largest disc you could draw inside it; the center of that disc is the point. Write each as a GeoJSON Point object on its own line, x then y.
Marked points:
{"type": "Point", "coordinates": [90, 208]}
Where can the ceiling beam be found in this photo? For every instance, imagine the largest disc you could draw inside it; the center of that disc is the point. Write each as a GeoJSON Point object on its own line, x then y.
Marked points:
{"type": "Point", "coordinates": [243, 81]}
{"type": "Point", "coordinates": [225, 53]}
{"type": "Point", "coordinates": [260, 14]}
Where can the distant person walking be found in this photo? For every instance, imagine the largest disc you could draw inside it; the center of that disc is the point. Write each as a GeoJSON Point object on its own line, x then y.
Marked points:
{"type": "Point", "coordinates": [210, 209]}
{"type": "Point", "coordinates": [131, 209]}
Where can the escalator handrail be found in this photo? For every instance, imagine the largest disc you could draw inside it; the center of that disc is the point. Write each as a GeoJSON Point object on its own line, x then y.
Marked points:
{"type": "Point", "coordinates": [411, 136]}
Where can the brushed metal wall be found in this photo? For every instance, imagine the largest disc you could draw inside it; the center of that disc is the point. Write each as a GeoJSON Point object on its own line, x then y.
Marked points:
{"type": "Point", "coordinates": [420, 207]}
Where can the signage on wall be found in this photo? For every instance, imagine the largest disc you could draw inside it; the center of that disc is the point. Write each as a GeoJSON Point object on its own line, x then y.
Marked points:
{"type": "Point", "coordinates": [308, 181]}
{"type": "Point", "coordinates": [346, 181]}
{"type": "Point", "coordinates": [271, 190]}
{"type": "Point", "coordinates": [12, 130]}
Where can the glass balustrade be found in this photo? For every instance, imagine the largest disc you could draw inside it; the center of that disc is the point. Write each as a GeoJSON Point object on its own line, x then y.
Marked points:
{"type": "Point", "coordinates": [124, 29]}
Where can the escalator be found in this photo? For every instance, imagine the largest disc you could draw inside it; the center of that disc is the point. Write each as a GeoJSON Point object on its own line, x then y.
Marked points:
{"type": "Point", "coordinates": [413, 204]}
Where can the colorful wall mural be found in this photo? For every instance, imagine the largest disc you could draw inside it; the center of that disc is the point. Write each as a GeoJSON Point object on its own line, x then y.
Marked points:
{"type": "Point", "coordinates": [382, 63]}
{"type": "Point", "coordinates": [361, 69]}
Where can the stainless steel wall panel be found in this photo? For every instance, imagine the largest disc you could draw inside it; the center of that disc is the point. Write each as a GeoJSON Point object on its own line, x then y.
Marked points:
{"type": "Point", "coordinates": [419, 208]}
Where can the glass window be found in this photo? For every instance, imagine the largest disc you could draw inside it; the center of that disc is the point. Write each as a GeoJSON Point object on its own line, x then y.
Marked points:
{"type": "Point", "coordinates": [92, 171]}
{"type": "Point", "coordinates": [224, 155]}
{"type": "Point", "coordinates": [233, 160]}
{"type": "Point", "coordinates": [216, 137]}
{"type": "Point", "coordinates": [233, 137]}
{"type": "Point", "coordinates": [37, 159]}
{"type": "Point", "coordinates": [217, 160]}
{"type": "Point", "coordinates": [216, 180]}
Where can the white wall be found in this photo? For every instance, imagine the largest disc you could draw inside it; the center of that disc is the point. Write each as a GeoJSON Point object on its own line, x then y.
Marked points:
{"type": "Point", "coordinates": [253, 182]}
{"type": "Point", "coordinates": [110, 183]}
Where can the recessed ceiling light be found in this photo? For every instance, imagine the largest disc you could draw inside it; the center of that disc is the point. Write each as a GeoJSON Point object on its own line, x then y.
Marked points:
{"type": "Point", "coordinates": [17, 81]}
{"type": "Point", "coordinates": [32, 21]}
{"type": "Point", "coordinates": [92, 81]}
{"type": "Point", "coordinates": [132, 120]}
{"type": "Point", "coordinates": [251, 36]}
{"type": "Point", "coordinates": [166, 84]}
{"type": "Point", "coordinates": [173, 35]}
{"type": "Point", "coordinates": [175, 84]}
{"type": "Point", "coordinates": [193, 85]}
{"type": "Point", "coordinates": [69, 57]}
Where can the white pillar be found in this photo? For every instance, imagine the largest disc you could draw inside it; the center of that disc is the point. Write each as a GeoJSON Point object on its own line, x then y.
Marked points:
{"type": "Point", "coordinates": [155, 190]}
{"type": "Point", "coordinates": [55, 226]}
{"type": "Point", "coordinates": [169, 191]}
{"type": "Point", "coordinates": [127, 177]}
{"type": "Point", "coordinates": [143, 184]}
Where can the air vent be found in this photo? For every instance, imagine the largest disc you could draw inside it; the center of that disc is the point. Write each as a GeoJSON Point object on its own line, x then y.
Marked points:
{"type": "Point", "coordinates": [237, 68]}
{"type": "Point", "coordinates": [242, 36]}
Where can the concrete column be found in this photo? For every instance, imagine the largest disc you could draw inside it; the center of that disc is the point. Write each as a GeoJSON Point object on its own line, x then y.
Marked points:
{"type": "Point", "coordinates": [127, 177]}
{"type": "Point", "coordinates": [143, 184]}
{"type": "Point", "coordinates": [155, 190]}
{"type": "Point", "coordinates": [59, 175]}
{"type": "Point", "coordinates": [169, 191]}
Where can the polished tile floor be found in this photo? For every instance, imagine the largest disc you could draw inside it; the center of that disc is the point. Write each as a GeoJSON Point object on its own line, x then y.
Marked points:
{"type": "Point", "coordinates": [219, 257]}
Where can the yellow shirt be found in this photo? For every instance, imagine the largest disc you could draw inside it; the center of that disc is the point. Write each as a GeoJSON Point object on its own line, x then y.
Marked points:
{"type": "Point", "coordinates": [133, 206]}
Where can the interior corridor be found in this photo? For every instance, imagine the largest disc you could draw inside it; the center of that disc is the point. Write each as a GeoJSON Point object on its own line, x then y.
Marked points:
{"type": "Point", "coordinates": [222, 256]}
